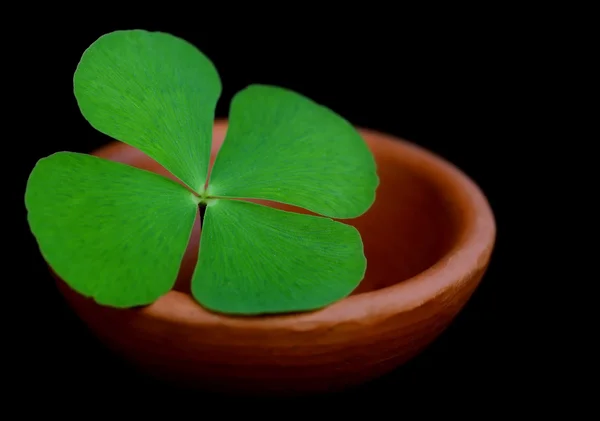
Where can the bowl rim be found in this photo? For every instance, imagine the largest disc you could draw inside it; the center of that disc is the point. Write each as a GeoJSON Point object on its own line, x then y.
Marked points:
{"type": "Point", "coordinates": [468, 255]}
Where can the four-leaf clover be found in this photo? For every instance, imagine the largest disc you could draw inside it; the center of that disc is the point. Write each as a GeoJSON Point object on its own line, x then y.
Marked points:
{"type": "Point", "coordinates": [118, 233]}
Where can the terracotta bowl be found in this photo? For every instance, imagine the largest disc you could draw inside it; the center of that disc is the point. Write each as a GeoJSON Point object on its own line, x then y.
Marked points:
{"type": "Point", "coordinates": [428, 240]}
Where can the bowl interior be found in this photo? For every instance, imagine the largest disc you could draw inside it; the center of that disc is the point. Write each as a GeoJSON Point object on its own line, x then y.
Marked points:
{"type": "Point", "coordinates": [411, 225]}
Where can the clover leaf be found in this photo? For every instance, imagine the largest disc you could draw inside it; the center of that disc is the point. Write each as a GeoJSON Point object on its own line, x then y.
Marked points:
{"type": "Point", "coordinates": [118, 233]}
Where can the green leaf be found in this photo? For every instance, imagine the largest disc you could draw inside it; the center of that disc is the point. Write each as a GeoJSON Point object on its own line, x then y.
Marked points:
{"type": "Point", "coordinates": [255, 259]}
{"type": "Point", "coordinates": [282, 146]}
{"type": "Point", "coordinates": [155, 92]}
{"type": "Point", "coordinates": [112, 232]}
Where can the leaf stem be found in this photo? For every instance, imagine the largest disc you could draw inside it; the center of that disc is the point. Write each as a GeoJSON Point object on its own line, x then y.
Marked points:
{"type": "Point", "coordinates": [202, 209]}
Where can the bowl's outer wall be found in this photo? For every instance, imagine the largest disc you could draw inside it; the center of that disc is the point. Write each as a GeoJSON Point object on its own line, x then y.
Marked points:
{"type": "Point", "coordinates": [298, 359]}
{"type": "Point", "coordinates": [352, 341]}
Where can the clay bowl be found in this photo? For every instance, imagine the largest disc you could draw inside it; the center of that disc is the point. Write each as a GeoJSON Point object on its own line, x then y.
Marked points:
{"type": "Point", "coordinates": [428, 240]}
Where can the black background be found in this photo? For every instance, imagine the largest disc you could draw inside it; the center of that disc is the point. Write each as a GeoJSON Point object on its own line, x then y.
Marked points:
{"type": "Point", "coordinates": [448, 90]}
